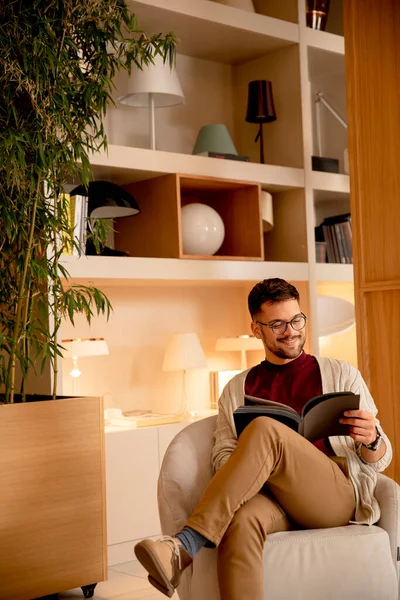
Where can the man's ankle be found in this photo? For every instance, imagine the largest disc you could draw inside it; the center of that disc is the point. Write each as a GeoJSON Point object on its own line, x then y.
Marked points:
{"type": "Point", "coordinates": [191, 540]}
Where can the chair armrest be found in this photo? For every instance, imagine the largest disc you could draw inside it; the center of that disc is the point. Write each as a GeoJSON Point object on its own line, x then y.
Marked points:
{"type": "Point", "coordinates": [185, 473]}
{"type": "Point", "coordinates": [387, 494]}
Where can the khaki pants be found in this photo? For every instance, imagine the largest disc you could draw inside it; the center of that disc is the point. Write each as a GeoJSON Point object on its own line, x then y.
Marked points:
{"type": "Point", "coordinates": [275, 480]}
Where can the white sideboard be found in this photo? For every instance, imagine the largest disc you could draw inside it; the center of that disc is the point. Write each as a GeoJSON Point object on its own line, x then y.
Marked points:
{"type": "Point", "coordinates": [133, 461]}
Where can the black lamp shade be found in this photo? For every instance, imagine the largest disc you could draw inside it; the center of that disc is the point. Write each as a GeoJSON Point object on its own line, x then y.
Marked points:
{"type": "Point", "coordinates": [107, 200]}
{"type": "Point", "coordinates": [260, 105]}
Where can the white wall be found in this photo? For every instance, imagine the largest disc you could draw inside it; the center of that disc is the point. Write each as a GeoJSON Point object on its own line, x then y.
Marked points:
{"type": "Point", "coordinates": [137, 333]}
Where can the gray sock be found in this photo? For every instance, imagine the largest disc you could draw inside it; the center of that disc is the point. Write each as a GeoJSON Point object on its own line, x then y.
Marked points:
{"type": "Point", "coordinates": [191, 540]}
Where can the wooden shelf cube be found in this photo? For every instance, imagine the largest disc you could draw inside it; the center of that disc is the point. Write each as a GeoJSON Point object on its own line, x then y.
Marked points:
{"type": "Point", "coordinates": [156, 230]}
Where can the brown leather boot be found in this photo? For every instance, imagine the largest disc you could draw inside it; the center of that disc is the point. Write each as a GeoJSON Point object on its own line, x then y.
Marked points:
{"type": "Point", "coordinates": [164, 560]}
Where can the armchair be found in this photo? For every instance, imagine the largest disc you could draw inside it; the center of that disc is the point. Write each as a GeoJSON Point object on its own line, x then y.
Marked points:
{"type": "Point", "coordinates": [354, 561]}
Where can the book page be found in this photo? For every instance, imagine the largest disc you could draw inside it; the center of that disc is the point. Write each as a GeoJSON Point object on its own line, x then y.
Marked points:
{"type": "Point", "coordinates": [254, 401]}
{"type": "Point", "coordinates": [245, 414]}
{"type": "Point", "coordinates": [323, 419]}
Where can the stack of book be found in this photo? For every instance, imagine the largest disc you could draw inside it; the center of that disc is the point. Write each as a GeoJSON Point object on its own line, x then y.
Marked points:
{"type": "Point", "coordinates": [77, 207]}
{"type": "Point", "coordinates": [336, 233]}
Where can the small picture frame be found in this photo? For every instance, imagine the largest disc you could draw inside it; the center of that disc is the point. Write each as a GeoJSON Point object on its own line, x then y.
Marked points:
{"type": "Point", "coordinates": [218, 380]}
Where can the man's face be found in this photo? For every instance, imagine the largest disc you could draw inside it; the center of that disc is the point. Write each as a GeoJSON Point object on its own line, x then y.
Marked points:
{"type": "Point", "coordinates": [282, 347]}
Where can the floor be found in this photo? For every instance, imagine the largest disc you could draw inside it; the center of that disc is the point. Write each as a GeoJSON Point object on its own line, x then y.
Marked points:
{"type": "Point", "coordinates": [125, 582]}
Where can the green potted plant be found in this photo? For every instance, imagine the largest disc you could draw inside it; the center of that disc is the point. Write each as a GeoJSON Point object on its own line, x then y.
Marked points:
{"type": "Point", "coordinates": [58, 59]}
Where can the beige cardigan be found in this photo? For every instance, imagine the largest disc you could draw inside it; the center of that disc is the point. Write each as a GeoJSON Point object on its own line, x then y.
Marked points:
{"type": "Point", "coordinates": [337, 376]}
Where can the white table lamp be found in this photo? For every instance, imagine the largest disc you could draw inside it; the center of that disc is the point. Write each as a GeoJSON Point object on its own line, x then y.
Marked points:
{"type": "Point", "coordinates": [184, 352]}
{"type": "Point", "coordinates": [80, 347]}
{"type": "Point", "coordinates": [156, 85]}
{"type": "Point", "coordinates": [240, 343]}
{"type": "Point", "coordinates": [267, 213]}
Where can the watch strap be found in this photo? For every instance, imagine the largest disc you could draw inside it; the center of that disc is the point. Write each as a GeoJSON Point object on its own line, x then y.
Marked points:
{"type": "Point", "coordinates": [375, 444]}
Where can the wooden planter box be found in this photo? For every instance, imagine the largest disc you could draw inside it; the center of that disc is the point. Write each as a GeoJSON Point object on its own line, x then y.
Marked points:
{"type": "Point", "coordinates": [156, 231]}
{"type": "Point", "coordinates": [52, 490]}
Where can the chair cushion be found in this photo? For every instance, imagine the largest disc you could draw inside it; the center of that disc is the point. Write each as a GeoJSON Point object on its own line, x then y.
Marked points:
{"type": "Point", "coordinates": [343, 563]}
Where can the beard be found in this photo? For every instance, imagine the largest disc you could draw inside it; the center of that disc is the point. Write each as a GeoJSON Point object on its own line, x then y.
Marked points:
{"type": "Point", "coordinates": [282, 351]}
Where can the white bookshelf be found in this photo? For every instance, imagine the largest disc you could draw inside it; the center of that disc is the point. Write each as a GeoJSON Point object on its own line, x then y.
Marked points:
{"type": "Point", "coordinates": [220, 49]}
{"type": "Point", "coordinates": [104, 270]}
{"type": "Point", "coordinates": [213, 31]}
{"type": "Point", "coordinates": [124, 165]}
{"type": "Point", "coordinates": [334, 272]}
{"type": "Point", "coordinates": [322, 40]}
{"type": "Point", "coordinates": [330, 182]}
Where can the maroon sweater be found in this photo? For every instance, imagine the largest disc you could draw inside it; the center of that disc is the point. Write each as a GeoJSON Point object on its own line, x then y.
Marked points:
{"type": "Point", "coordinates": [292, 383]}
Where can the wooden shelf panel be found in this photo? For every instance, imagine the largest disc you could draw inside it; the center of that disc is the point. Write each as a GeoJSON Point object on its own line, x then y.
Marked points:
{"type": "Point", "coordinates": [125, 164]}
{"type": "Point", "coordinates": [112, 271]}
{"type": "Point", "coordinates": [213, 31]}
{"type": "Point", "coordinates": [334, 272]}
{"type": "Point", "coordinates": [330, 182]}
{"type": "Point", "coordinates": [325, 41]}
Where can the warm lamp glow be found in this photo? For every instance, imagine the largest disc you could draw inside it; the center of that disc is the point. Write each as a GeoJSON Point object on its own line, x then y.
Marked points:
{"type": "Point", "coordinates": [182, 353]}
{"type": "Point", "coordinates": [79, 348]}
{"type": "Point", "coordinates": [240, 343]}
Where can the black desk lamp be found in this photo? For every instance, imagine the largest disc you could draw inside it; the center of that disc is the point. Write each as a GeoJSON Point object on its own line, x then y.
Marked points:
{"type": "Point", "coordinates": [260, 108]}
{"type": "Point", "coordinates": [106, 201]}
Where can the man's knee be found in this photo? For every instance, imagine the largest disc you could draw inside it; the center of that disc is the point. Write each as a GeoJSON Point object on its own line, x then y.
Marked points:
{"type": "Point", "coordinates": [245, 524]}
{"type": "Point", "coordinates": [269, 427]}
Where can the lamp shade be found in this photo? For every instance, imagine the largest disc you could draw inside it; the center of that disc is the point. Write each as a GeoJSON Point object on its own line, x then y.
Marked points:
{"type": "Point", "coordinates": [184, 352]}
{"type": "Point", "coordinates": [335, 315]}
{"type": "Point", "coordinates": [214, 138]}
{"type": "Point", "coordinates": [158, 79]}
{"type": "Point", "coordinates": [80, 347]}
{"type": "Point", "coordinates": [240, 342]}
{"type": "Point", "coordinates": [107, 200]}
{"type": "Point", "coordinates": [267, 213]}
{"type": "Point", "coordinates": [260, 103]}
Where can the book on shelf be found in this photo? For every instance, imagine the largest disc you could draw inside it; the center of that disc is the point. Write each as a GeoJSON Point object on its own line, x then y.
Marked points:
{"type": "Point", "coordinates": [336, 232]}
{"type": "Point", "coordinates": [319, 417]}
{"type": "Point", "coordinates": [77, 207]}
{"type": "Point", "coordinates": [224, 155]}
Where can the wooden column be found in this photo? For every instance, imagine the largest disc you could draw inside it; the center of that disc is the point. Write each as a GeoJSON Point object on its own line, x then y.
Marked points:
{"type": "Point", "coordinates": [372, 45]}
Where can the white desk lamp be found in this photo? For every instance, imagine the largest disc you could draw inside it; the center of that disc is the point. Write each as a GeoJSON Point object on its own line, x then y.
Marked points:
{"type": "Point", "coordinates": [79, 348]}
{"type": "Point", "coordinates": [319, 99]}
{"type": "Point", "coordinates": [182, 353]}
{"type": "Point", "coordinates": [156, 85]}
{"type": "Point", "coordinates": [241, 343]}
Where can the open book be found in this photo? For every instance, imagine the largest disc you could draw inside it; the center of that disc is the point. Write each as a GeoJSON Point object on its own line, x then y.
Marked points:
{"type": "Point", "coordinates": [319, 418]}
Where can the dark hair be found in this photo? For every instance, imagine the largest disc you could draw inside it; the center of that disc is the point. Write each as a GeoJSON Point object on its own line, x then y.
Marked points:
{"type": "Point", "coordinates": [270, 290]}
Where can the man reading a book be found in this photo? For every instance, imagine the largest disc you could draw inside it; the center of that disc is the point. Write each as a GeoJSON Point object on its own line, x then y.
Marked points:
{"type": "Point", "coordinates": [271, 478]}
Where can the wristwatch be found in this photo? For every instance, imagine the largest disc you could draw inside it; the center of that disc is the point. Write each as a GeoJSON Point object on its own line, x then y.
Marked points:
{"type": "Point", "coordinates": [376, 444]}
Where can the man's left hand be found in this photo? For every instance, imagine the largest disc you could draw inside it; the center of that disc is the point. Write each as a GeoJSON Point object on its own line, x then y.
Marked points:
{"type": "Point", "coordinates": [361, 425]}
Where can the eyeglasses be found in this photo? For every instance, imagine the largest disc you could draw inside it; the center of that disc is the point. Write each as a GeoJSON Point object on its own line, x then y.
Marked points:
{"type": "Point", "coordinates": [278, 327]}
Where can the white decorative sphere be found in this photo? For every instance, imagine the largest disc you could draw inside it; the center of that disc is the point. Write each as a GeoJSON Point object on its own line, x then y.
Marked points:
{"type": "Point", "coordinates": [203, 230]}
